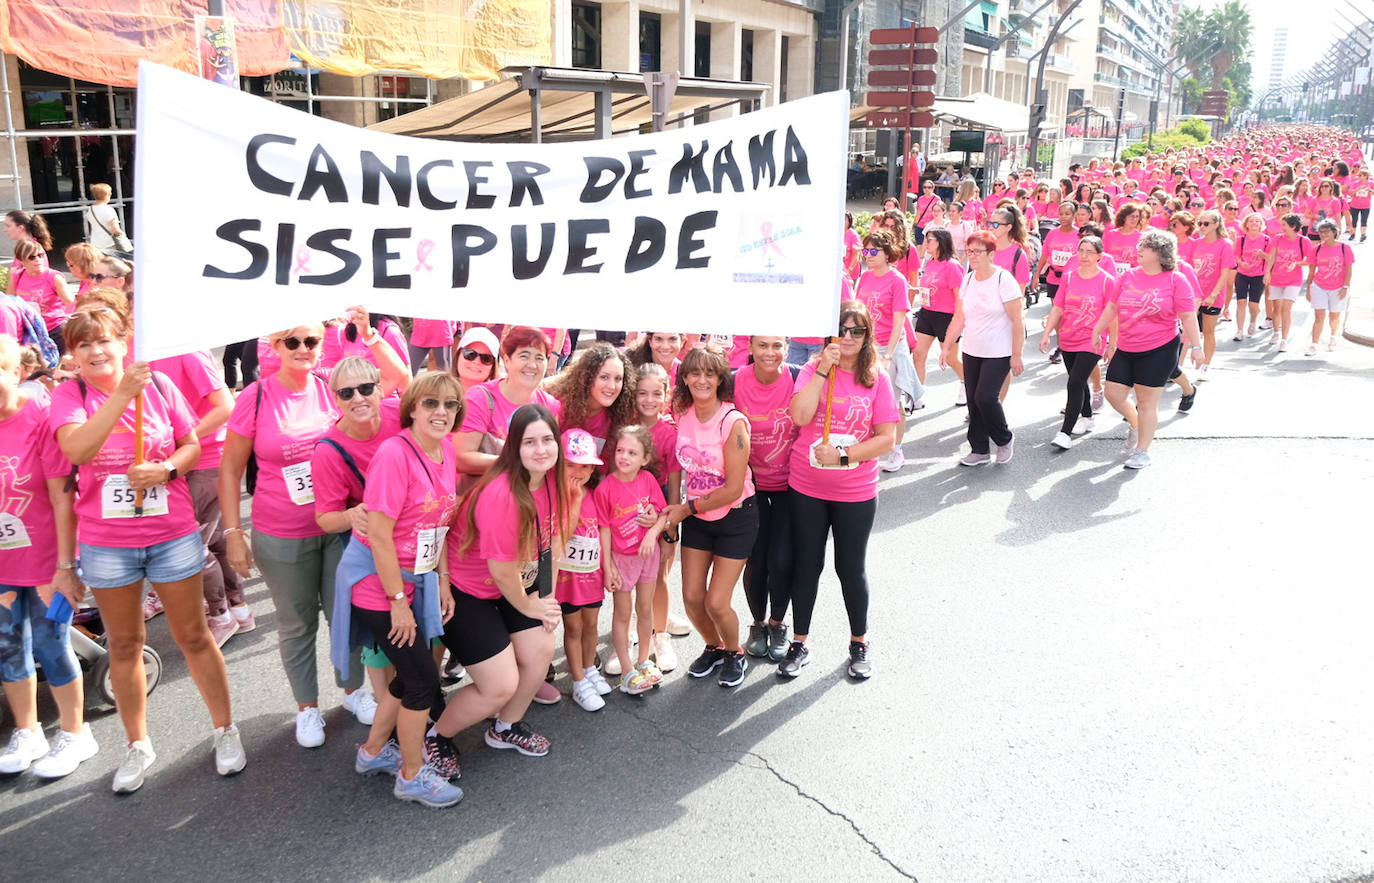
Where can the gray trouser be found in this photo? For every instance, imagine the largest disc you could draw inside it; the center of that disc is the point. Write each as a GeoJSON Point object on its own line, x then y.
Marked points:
{"type": "Point", "coordinates": [222, 586]}
{"type": "Point", "coordinates": [300, 577]}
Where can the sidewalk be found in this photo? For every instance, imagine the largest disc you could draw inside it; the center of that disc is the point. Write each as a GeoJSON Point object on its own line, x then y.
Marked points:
{"type": "Point", "coordinates": [1359, 319]}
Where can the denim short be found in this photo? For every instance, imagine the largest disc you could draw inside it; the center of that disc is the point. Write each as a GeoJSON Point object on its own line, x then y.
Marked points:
{"type": "Point", "coordinates": [108, 567]}
{"type": "Point", "coordinates": [27, 634]}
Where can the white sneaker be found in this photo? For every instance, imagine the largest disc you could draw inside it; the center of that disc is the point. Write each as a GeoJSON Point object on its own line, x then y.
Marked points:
{"type": "Point", "coordinates": [25, 747]}
{"type": "Point", "coordinates": [69, 750]}
{"type": "Point", "coordinates": [1132, 439]}
{"type": "Point", "coordinates": [892, 461]}
{"type": "Point", "coordinates": [1311, 350]}
{"type": "Point", "coordinates": [961, 396]}
{"type": "Point", "coordinates": [229, 756]}
{"type": "Point", "coordinates": [612, 664]}
{"type": "Point", "coordinates": [1084, 425]}
{"type": "Point", "coordinates": [677, 626]}
{"type": "Point", "coordinates": [586, 696]}
{"type": "Point", "coordinates": [1202, 373]}
{"type": "Point", "coordinates": [1331, 345]}
{"type": "Point", "coordinates": [664, 652]}
{"type": "Point", "coordinates": [309, 728]}
{"type": "Point", "coordinates": [129, 777]}
{"type": "Point", "coordinates": [362, 704]}
{"type": "Point", "coordinates": [1062, 441]}
{"type": "Point", "coordinates": [1283, 346]}
{"type": "Point", "coordinates": [603, 688]}
{"type": "Point", "coordinates": [1137, 460]}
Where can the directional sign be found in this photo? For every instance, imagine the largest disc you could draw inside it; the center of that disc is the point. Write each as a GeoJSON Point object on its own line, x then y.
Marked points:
{"type": "Point", "coordinates": [900, 119]}
{"type": "Point", "coordinates": [900, 99]}
{"type": "Point", "coordinates": [902, 56]}
{"type": "Point", "coordinates": [902, 36]}
{"type": "Point", "coordinates": [902, 78]}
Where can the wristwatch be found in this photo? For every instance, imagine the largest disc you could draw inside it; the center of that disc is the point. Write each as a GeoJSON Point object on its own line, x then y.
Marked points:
{"type": "Point", "coordinates": [171, 470]}
{"type": "Point", "coordinates": [844, 456]}
{"type": "Point", "coordinates": [399, 596]}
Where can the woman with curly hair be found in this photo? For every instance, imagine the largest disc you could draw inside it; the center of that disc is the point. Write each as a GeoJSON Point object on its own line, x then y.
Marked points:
{"type": "Point", "coordinates": [593, 393]}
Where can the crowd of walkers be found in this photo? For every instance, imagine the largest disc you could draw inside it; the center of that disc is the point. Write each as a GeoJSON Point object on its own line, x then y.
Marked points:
{"type": "Point", "coordinates": [446, 496]}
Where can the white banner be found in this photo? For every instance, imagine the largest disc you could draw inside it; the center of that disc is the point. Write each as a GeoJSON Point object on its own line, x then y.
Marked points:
{"type": "Point", "coordinates": [253, 217]}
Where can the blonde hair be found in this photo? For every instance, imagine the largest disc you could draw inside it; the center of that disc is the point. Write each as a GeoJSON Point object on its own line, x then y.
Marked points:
{"type": "Point", "coordinates": [100, 192]}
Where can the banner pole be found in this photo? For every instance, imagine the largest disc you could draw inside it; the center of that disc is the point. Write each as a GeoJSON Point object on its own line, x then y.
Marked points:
{"type": "Point", "coordinates": [829, 393]}
{"type": "Point", "coordinates": [138, 447]}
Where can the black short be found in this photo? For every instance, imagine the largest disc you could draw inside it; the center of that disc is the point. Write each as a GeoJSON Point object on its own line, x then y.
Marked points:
{"type": "Point", "coordinates": [480, 628]}
{"type": "Point", "coordinates": [1207, 311]}
{"type": "Point", "coordinates": [1051, 288]}
{"type": "Point", "coordinates": [1249, 288]}
{"type": "Point", "coordinates": [570, 609]}
{"type": "Point", "coordinates": [933, 323]}
{"type": "Point", "coordinates": [1150, 368]}
{"type": "Point", "coordinates": [729, 537]}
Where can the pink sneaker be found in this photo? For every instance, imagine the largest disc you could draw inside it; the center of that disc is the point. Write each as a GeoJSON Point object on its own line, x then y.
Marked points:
{"type": "Point", "coordinates": [222, 629]}
{"type": "Point", "coordinates": [548, 694]}
{"type": "Point", "coordinates": [245, 620]}
{"type": "Point", "coordinates": [152, 605]}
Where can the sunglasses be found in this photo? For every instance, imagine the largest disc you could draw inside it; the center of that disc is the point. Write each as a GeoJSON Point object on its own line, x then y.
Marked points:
{"type": "Point", "coordinates": [294, 343]}
{"type": "Point", "coordinates": [995, 224]}
{"type": "Point", "coordinates": [853, 330]}
{"type": "Point", "coordinates": [872, 252]}
{"type": "Point", "coordinates": [1204, 223]}
{"type": "Point", "coordinates": [362, 389]}
{"type": "Point", "coordinates": [433, 404]}
{"type": "Point", "coordinates": [473, 355]}
{"type": "Point", "coordinates": [101, 277]}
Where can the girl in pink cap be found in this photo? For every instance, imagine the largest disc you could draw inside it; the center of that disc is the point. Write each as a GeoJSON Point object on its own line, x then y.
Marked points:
{"type": "Point", "coordinates": [584, 570]}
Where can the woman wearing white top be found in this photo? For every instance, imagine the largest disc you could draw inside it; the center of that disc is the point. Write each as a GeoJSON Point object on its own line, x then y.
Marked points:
{"type": "Point", "coordinates": [988, 316]}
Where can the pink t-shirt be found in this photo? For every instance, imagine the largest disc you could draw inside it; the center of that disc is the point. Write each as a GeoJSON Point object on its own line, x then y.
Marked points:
{"type": "Point", "coordinates": [197, 376]}
{"type": "Point", "coordinates": [1250, 252]}
{"type": "Point", "coordinates": [11, 320]}
{"type": "Point", "coordinates": [1361, 193]}
{"type": "Point", "coordinates": [498, 535]}
{"type": "Point", "coordinates": [701, 451]}
{"type": "Point", "coordinates": [771, 430]}
{"type": "Point", "coordinates": [284, 432]}
{"type": "Point", "coordinates": [41, 291]}
{"type": "Point", "coordinates": [619, 505]}
{"type": "Point", "coordinates": [1014, 260]}
{"type": "Point", "coordinates": [886, 299]}
{"type": "Point", "coordinates": [855, 411]}
{"type": "Point", "coordinates": [941, 279]}
{"type": "Point", "coordinates": [1082, 301]}
{"type": "Point", "coordinates": [1062, 247]}
{"type": "Point", "coordinates": [1121, 246]}
{"type": "Point", "coordinates": [29, 456]}
{"type": "Point", "coordinates": [491, 413]}
{"type": "Point", "coordinates": [432, 332]}
{"type": "Point", "coordinates": [584, 548]}
{"type": "Point", "coordinates": [418, 494]}
{"type": "Point", "coordinates": [853, 266]}
{"type": "Point", "coordinates": [923, 210]}
{"type": "Point", "coordinates": [336, 345]}
{"type": "Point", "coordinates": [1148, 307]}
{"type": "Point", "coordinates": [1322, 209]}
{"type": "Point", "coordinates": [664, 435]}
{"type": "Point", "coordinates": [336, 487]}
{"type": "Point", "coordinates": [1210, 260]}
{"type": "Point", "coordinates": [1290, 256]}
{"type": "Point", "coordinates": [166, 418]}
{"type": "Point", "coordinates": [1331, 263]}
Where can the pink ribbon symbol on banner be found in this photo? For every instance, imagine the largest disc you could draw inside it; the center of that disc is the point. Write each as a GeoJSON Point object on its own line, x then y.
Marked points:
{"type": "Point", "coordinates": [422, 255]}
{"type": "Point", "coordinates": [302, 260]}
{"type": "Point", "coordinates": [766, 231]}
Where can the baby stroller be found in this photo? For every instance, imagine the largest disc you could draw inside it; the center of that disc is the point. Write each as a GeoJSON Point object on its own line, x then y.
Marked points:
{"type": "Point", "coordinates": [89, 642]}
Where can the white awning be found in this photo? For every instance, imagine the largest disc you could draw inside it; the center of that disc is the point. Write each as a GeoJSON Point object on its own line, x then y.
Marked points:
{"type": "Point", "coordinates": [982, 111]}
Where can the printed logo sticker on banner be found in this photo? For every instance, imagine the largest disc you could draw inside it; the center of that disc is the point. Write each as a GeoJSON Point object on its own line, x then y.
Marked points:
{"type": "Point", "coordinates": [732, 221]}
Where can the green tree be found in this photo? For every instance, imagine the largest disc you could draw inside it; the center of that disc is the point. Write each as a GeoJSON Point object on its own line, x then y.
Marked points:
{"type": "Point", "coordinates": [1191, 39]}
{"type": "Point", "coordinates": [1229, 32]}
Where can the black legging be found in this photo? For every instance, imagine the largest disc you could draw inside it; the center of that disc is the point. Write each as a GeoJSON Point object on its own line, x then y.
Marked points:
{"type": "Point", "coordinates": [416, 679]}
{"type": "Point", "coordinates": [850, 524]}
{"type": "Point", "coordinates": [1080, 367]}
{"type": "Point", "coordinates": [768, 572]}
{"type": "Point", "coordinates": [983, 380]}
{"type": "Point", "coordinates": [245, 352]}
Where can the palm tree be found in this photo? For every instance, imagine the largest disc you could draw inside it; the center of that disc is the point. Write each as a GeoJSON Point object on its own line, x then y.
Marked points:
{"type": "Point", "coordinates": [1191, 39]}
{"type": "Point", "coordinates": [1229, 29]}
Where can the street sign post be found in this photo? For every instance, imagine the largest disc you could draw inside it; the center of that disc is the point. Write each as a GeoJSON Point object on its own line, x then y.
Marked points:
{"type": "Point", "coordinates": [905, 98]}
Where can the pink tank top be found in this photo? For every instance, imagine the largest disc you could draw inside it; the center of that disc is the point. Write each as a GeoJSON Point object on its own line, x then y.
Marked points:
{"type": "Point", "coordinates": [701, 451]}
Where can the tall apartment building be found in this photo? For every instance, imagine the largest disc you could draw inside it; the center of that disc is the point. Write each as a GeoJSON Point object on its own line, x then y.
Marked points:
{"type": "Point", "coordinates": [1279, 56]}
{"type": "Point", "coordinates": [1125, 47]}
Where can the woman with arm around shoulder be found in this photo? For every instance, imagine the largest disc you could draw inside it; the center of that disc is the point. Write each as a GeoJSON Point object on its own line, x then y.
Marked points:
{"type": "Point", "coordinates": [38, 556]}
{"type": "Point", "coordinates": [500, 564]}
{"type": "Point", "coordinates": [1147, 304]}
{"type": "Point", "coordinates": [719, 521]}
{"type": "Point", "coordinates": [834, 482]}
{"type": "Point", "coordinates": [123, 543]}
{"type": "Point", "coordinates": [410, 501]}
{"type": "Point", "coordinates": [278, 419]}
{"type": "Point", "coordinates": [1084, 292]}
{"type": "Point", "coordinates": [989, 319]}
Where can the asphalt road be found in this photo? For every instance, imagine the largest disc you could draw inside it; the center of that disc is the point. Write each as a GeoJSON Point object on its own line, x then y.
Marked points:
{"type": "Point", "coordinates": [1083, 674]}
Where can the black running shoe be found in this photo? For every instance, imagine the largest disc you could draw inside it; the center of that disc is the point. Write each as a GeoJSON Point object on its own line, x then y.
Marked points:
{"type": "Point", "coordinates": [732, 672]}
{"type": "Point", "coordinates": [859, 664]}
{"type": "Point", "coordinates": [757, 644]}
{"type": "Point", "coordinates": [1186, 403]}
{"type": "Point", "coordinates": [442, 754]}
{"type": "Point", "coordinates": [706, 663]}
{"type": "Point", "coordinates": [797, 656]}
{"type": "Point", "coordinates": [777, 642]}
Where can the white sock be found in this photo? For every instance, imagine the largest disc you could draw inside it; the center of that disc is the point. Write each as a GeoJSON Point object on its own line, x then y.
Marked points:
{"type": "Point", "coordinates": [588, 671]}
{"type": "Point", "coordinates": [501, 726]}
{"type": "Point", "coordinates": [241, 612]}
{"type": "Point", "coordinates": [222, 618]}
{"type": "Point", "coordinates": [431, 732]}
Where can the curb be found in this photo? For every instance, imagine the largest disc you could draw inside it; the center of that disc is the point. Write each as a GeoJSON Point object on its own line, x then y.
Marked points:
{"type": "Point", "coordinates": [1356, 337]}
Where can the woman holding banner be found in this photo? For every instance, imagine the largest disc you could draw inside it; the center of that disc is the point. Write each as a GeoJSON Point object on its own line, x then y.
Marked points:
{"type": "Point", "coordinates": [277, 421]}
{"type": "Point", "coordinates": [136, 521]}
{"type": "Point", "coordinates": [847, 414]}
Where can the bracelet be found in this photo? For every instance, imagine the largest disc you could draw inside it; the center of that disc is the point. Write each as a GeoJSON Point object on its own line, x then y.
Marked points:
{"type": "Point", "coordinates": [1194, 347]}
{"type": "Point", "coordinates": [824, 375]}
{"type": "Point", "coordinates": [66, 565]}
{"type": "Point", "coordinates": [692, 507]}
{"type": "Point", "coordinates": [373, 340]}
{"type": "Point", "coordinates": [229, 530]}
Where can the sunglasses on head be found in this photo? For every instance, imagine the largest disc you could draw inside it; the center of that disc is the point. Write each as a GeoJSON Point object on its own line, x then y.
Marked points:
{"type": "Point", "coordinates": [872, 252]}
{"type": "Point", "coordinates": [853, 330]}
{"type": "Point", "coordinates": [294, 343]}
{"type": "Point", "coordinates": [362, 389]}
{"type": "Point", "coordinates": [432, 404]}
{"type": "Point", "coordinates": [99, 277]}
{"type": "Point", "coordinates": [473, 355]}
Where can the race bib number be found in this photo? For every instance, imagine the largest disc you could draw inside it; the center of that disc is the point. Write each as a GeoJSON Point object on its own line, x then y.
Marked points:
{"type": "Point", "coordinates": [13, 534]}
{"type": "Point", "coordinates": [529, 572]}
{"type": "Point", "coordinates": [839, 441]}
{"type": "Point", "coordinates": [117, 498]}
{"type": "Point", "coordinates": [583, 555]}
{"type": "Point", "coordinates": [1059, 257]}
{"type": "Point", "coordinates": [428, 542]}
{"type": "Point", "coordinates": [922, 296]}
{"type": "Point", "coordinates": [299, 484]}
